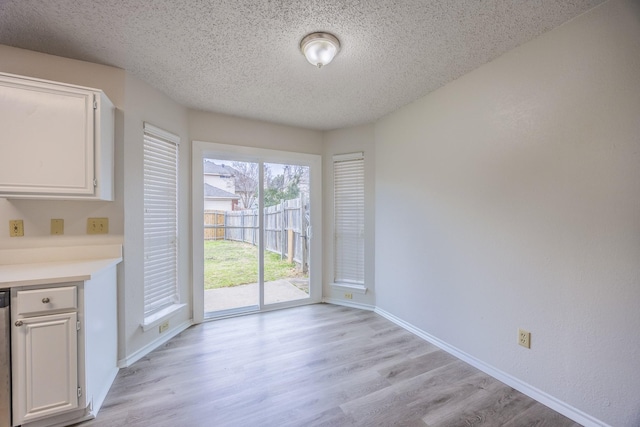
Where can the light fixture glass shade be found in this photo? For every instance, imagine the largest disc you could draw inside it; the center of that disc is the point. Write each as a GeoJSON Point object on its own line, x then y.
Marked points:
{"type": "Point", "coordinates": [320, 48]}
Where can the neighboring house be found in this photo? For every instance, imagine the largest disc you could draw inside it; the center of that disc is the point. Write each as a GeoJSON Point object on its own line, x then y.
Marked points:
{"type": "Point", "coordinates": [218, 199]}
{"type": "Point", "coordinates": [229, 180]}
{"type": "Point", "coordinates": [220, 176]}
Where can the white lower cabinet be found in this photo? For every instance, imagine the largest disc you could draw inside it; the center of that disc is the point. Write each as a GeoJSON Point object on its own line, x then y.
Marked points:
{"type": "Point", "coordinates": [48, 378]}
{"type": "Point", "coordinates": [64, 350]}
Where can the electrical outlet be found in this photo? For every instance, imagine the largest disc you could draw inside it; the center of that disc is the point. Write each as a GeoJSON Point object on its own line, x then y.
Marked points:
{"type": "Point", "coordinates": [524, 338]}
{"type": "Point", "coordinates": [97, 225]}
{"type": "Point", "coordinates": [16, 228]}
{"type": "Point", "coordinates": [348, 295]}
{"type": "Point", "coordinates": [163, 327]}
{"type": "Point", "coordinates": [57, 226]}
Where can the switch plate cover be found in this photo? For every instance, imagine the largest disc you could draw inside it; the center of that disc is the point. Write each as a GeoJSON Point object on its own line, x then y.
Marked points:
{"type": "Point", "coordinates": [57, 226]}
{"type": "Point", "coordinates": [97, 225]}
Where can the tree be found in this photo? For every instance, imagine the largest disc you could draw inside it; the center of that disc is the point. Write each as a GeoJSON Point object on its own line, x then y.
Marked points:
{"type": "Point", "coordinates": [246, 180]}
{"type": "Point", "coordinates": [284, 186]}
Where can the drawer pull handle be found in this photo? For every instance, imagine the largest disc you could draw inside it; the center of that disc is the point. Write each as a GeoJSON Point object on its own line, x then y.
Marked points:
{"type": "Point", "coordinates": [19, 323]}
{"type": "Point", "coordinates": [46, 300]}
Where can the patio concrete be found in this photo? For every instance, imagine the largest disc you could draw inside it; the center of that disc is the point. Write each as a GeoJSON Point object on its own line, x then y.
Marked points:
{"type": "Point", "coordinates": [247, 295]}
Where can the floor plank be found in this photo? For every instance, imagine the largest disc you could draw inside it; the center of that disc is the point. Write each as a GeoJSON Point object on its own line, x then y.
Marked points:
{"type": "Point", "coordinates": [317, 365]}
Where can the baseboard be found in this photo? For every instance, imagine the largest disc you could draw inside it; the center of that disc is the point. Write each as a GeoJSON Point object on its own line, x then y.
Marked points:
{"type": "Point", "coordinates": [133, 358]}
{"type": "Point", "coordinates": [534, 393]}
{"type": "Point", "coordinates": [349, 304]}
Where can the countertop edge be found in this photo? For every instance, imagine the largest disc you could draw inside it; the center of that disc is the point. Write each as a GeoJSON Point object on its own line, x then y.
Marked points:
{"type": "Point", "coordinates": [18, 275]}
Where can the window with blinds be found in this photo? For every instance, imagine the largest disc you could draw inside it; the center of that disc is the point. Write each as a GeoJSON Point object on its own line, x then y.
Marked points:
{"type": "Point", "coordinates": [160, 219]}
{"type": "Point", "coordinates": [348, 193]}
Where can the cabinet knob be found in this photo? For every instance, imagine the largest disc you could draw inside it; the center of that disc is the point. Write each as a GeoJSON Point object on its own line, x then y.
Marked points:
{"type": "Point", "coordinates": [19, 323]}
{"type": "Point", "coordinates": [45, 300]}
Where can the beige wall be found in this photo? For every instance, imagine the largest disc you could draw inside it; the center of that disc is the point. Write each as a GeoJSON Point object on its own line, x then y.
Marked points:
{"type": "Point", "coordinates": [50, 67]}
{"type": "Point", "coordinates": [509, 198]}
{"type": "Point", "coordinates": [144, 103]}
{"type": "Point", "coordinates": [223, 129]}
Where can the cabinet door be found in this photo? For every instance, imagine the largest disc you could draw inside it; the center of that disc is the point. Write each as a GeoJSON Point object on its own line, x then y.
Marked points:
{"type": "Point", "coordinates": [47, 138]}
{"type": "Point", "coordinates": [45, 359]}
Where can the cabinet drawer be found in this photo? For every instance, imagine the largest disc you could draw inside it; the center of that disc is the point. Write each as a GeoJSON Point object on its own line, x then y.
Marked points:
{"type": "Point", "coordinates": [45, 300]}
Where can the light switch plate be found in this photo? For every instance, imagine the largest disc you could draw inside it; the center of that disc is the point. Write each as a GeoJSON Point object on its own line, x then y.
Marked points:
{"type": "Point", "coordinates": [57, 226]}
{"type": "Point", "coordinates": [97, 225]}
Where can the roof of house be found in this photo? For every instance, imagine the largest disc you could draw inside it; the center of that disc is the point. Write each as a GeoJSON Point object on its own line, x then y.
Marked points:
{"type": "Point", "coordinates": [211, 192]}
{"type": "Point", "coordinates": [211, 168]}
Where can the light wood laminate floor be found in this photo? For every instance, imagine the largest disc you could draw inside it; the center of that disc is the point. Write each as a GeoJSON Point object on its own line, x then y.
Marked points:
{"type": "Point", "coordinates": [316, 365]}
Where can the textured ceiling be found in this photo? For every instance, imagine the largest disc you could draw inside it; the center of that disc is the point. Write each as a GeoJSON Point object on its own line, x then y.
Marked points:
{"type": "Point", "coordinates": [241, 57]}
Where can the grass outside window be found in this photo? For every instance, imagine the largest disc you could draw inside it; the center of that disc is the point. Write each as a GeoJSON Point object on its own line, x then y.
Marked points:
{"type": "Point", "coordinates": [228, 263]}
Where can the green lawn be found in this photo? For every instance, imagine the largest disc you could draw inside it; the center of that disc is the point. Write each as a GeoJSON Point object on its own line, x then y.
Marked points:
{"type": "Point", "coordinates": [228, 263]}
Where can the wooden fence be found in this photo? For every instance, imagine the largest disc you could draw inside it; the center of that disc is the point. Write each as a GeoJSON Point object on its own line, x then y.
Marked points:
{"type": "Point", "coordinates": [285, 229]}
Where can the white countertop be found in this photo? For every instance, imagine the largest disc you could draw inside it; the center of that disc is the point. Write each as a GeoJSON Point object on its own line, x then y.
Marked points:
{"type": "Point", "coordinates": [53, 272]}
{"type": "Point", "coordinates": [45, 265]}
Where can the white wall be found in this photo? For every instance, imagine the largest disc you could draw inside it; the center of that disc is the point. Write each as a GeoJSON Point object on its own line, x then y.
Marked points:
{"type": "Point", "coordinates": [342, 141]}
{"type": "Point", "coordinates": [511, 198]}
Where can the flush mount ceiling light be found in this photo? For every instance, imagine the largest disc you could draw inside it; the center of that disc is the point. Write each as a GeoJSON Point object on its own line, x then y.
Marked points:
{"type": "Point", "coordinates": [320, 48]}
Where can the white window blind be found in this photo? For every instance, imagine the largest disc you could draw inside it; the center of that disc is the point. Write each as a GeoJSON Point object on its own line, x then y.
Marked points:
{"type": "Point", "coordinates": [348, 190]}
{"type": "Point", "coordinates": [160, 219]}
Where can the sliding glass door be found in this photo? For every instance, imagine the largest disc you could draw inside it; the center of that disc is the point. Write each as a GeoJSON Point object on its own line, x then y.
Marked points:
{"type": "Point", "coordinates": [286, 221]}
{"type": "Point", "coordinates": [253, 229]}
{"type": "Point", "coordinates": [231, 235]}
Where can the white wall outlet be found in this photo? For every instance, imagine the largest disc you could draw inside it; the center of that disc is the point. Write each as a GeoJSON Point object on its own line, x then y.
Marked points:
{"type": "Point", "coordinates": [524, 338]}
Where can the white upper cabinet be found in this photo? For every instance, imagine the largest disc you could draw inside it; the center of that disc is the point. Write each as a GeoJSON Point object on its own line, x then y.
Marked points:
{"type": "Point", "coordinates": [56, 140]}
